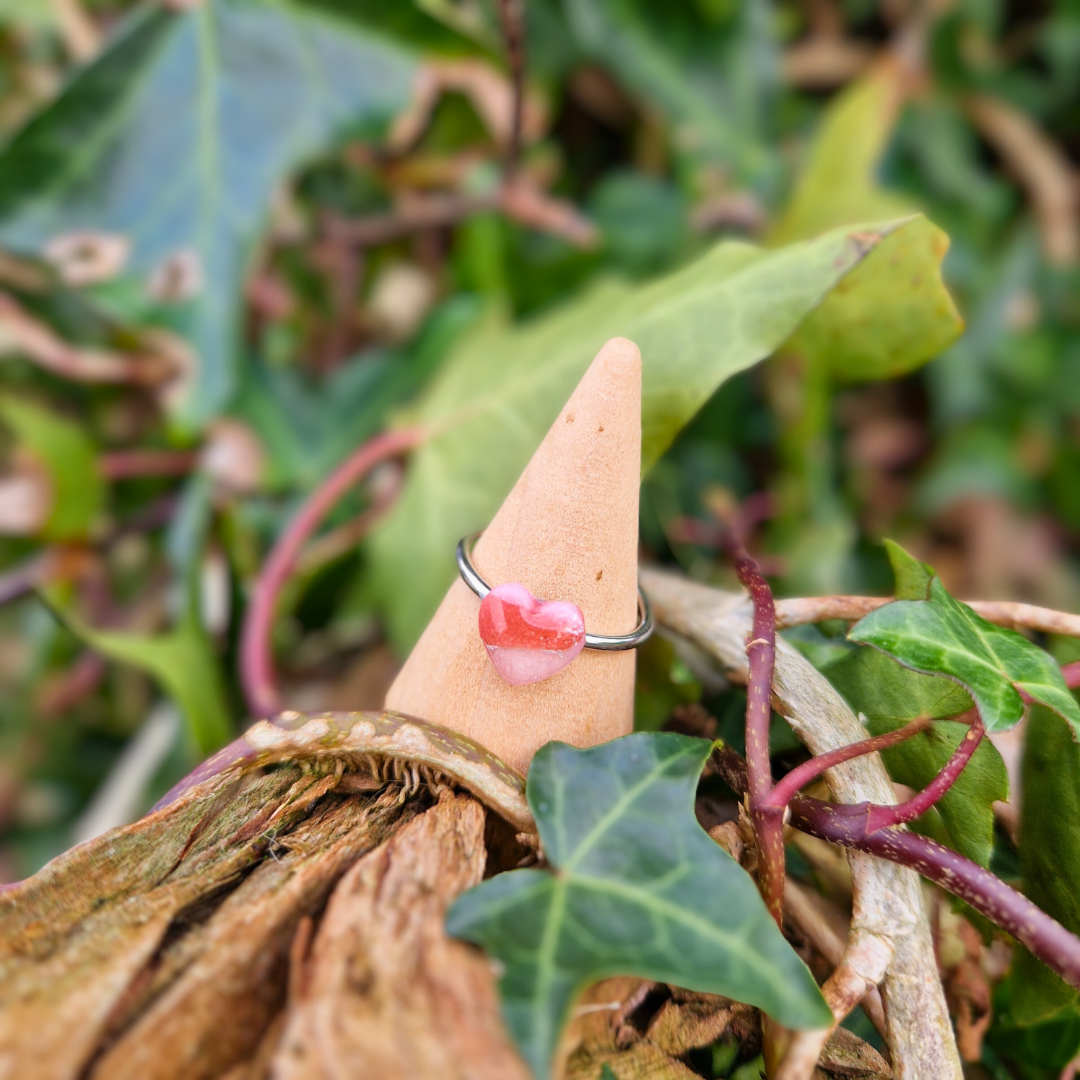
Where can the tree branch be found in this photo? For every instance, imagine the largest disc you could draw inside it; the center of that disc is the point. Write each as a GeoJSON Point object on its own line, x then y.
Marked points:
{"type": "Point", "coordinates": [512, 17]}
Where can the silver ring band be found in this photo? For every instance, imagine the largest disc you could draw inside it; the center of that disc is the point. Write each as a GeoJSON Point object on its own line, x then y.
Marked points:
{"type": "Point", "coordinates": [603, 642]}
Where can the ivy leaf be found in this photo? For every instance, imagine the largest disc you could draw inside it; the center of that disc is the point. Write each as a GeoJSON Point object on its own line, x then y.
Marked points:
{"type": "Point", "coordinates": [893, 313]}
{"type": "Point", "coordinates": [182, 661]}
{"type": "Point", "coordinates": [69, 459]}
{"type": "Point", "coordinates": [890, 696]}
{"type": "Point", "coordinates": [912, 577]}
{"type": "Point", "coordinates": [638, 889]}
{"type": "Point", "coordinates": [498, 392]}
{"type": "Point", "coordinates": [177, 136]}
{"type": "Point", "coordinates": [941, 636]}
{"type": "Point", "coordinates": [711, 85]}
{"type": "Point", "coordinates": [1049, 858]}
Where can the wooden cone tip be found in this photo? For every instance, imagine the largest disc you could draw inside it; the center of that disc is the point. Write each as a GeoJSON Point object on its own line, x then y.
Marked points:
{"type": "Point", "coordinates": [568, 531]}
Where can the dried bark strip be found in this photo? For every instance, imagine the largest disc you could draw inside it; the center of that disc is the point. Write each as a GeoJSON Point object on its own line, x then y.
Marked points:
{"type": "Point", "coordinates": [383, 988]}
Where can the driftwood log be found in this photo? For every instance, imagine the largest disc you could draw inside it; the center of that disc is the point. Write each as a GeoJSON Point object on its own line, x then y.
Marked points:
{"type": "Point", "coordinates": [283, 918]}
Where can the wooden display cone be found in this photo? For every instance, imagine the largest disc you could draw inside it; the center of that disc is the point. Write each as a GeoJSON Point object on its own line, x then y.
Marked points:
{"type": "Point", "coordinates": [568, 531]}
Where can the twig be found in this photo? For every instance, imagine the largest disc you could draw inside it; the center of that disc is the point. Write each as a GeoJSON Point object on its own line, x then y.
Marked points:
{"type": "Point", "coordinates": [126, 464]}
{"type": "Point", "coordinates": [825, 926]}
{"type": "Point", "coordinates": [811, 609]}
{"type": "Point", "coordinates": [82, 39]}
{"type": "Point", "coordinates": [520, 199]}
{"type": "Point", "coordinates": [412, 215]}
{"type": "Point", "coordinates": [21, 333]}
{"type": "Point", "coordinates": [767, 818]}
{"type": "Point", "coordinates": [1040, 166]}
{"type": "Point", "coordinates": [512, 17]}
{"type": "Point", "coordinates": [336, 542]}
{"type": "Point", "coordinates": [256, 652]}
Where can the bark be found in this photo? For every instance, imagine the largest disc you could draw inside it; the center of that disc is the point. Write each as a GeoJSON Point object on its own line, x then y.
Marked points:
{"type": "Point", "coordinates": [175, 947]}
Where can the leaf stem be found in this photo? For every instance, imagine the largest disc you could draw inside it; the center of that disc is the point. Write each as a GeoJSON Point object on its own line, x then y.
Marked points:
{"type": "Point", "coordinates": [256, 653]}
{"type": "Point", "coordinates": [1004, 906]}
{"type": "Point", "coordinates": [882, 817]}
{"type": "Point", "coordinates": [767, 818]}
{"type": "Point", "coordinates": [788, 786]}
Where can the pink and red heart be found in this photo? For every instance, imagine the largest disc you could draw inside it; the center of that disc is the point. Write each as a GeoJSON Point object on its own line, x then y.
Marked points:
{"type": "Point", "coordinates": [529, 639]}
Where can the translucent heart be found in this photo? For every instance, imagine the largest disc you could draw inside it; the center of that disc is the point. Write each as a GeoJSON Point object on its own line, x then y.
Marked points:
{"type": "Point", "coordinates": [529, 639]}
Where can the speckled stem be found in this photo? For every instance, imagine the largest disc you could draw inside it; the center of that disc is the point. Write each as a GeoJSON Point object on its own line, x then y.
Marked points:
{"type": "Point", "coordinates": [1005, 907]}
{"type": "Point", "coordinates": [882, 817]}
{"type": "Point", "coordinates": [788, 786]}
{"type": "Point", "coordinates": [767, 817]}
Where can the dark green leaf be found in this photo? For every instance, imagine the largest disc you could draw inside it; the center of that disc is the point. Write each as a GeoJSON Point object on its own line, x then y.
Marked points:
{"type": "Point", "coordinates": [941, 636]}
{"type": "Point", "coordinates": [500, 390]}
{"type": "Point", "coordinates": [638, 889]}
{"type": "Point", "coordinates": [1049, 856]}
{"type": "Point", "coordinates": [711, 84]}
{"type": "Point", "coordinates": [178, 135]}
{"type": "Point", "coordinates": [69, 459]}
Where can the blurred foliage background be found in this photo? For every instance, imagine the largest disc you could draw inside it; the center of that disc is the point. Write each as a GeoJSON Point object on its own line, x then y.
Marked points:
{"type": "Point", "coordinates": [241, 237]}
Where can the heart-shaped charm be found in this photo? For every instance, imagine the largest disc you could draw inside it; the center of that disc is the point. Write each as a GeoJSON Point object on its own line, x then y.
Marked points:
{"type": "Point", "coordinates": [529, 639]}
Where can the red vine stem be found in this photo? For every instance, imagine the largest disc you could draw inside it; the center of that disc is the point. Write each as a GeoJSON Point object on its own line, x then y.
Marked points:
{"type": "Point", "coordinates": [767, 818]}
{"type": "Point", "coordinates": [788, 786]}
{"type": "Point", "coordinates": [881, 817]}
{"type": "Point", "coordinates": [1005, 907]}
{"type": "Point", "coordinates": [256, 653]}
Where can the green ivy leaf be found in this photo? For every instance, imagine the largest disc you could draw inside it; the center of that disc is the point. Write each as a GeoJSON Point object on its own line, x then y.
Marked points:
{"type": "Point", "coordinates": [941, 636]}
{"type": "Point", "coordinates": [178, 135]}
{"type": "Point", "coordinates": [69, 459]}
{"type": "Point", "coordinates": [638, 889]}
{"type": "Point", "coordinates": [711, 84]}
{"type": "Point", "coordinates": [497, 394]}
{"type": "Point", "coordinates": [890, 696]}
{"type": "Point", "coordinates": [912, 578]}
{"type": "Point", "coordinates": [1049, 857]}
{"type": "Point", "coordinates": [182, 661]}
{"type": "Point", "coordinates": [893, 313]}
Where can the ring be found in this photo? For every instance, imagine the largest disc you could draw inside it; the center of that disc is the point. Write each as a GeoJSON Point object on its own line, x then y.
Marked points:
{"type": "Point", "coordinates": [530, 639]}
